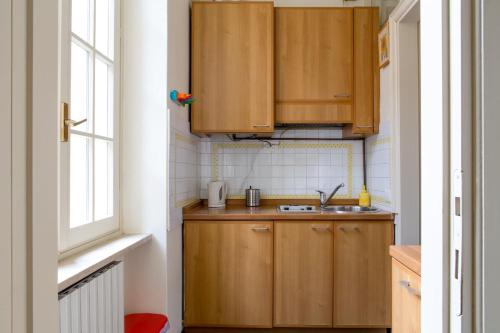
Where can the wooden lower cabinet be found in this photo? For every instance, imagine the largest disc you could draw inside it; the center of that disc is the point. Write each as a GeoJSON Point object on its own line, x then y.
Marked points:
{"type": "Point", "coordinates": [326, 274]}
{"type": "Point", "coordinates": [228, 272]}
{"type": "Point", "coordinates": [405, 299]}
{"type": "Point", "coordinates": [362, 274]}
{"type": "Point", "coordinates": [303, 274]}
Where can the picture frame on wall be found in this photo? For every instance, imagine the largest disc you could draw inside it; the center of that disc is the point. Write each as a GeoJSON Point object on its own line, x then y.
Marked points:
{"type": "Point", "coordinates": [384, 49]}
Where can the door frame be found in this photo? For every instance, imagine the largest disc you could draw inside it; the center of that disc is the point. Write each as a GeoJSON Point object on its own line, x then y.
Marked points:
{"type": "Point", "coordinates": [43, 124]}
{"type": "Point", "coordinates": [435, 164]}
{"type": "Point", "coordinates": [6, 166]}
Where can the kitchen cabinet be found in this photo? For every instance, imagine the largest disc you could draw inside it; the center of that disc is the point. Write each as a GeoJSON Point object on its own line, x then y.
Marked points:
{"type": "Point", "coordinates": [366, 72]}
{"type": "Point", "coordinates": [232, 67]}
{"type": "Point", "coordinates": [326, 67]}
{"type": "Point", "coordinates": [362, 274]}
{"type": "Point", "coordinates": [314, 65]}
{"type": "Point", "coordinates": [405, 299]}
{"type": "Point", "coordinates": [406, 269]}
{"type": "Point", "coordinates": [303, 274]}
{"type": "Point", "coordinates": [287, 273]}
{"type": "Point", "coordinates": [228, 272]}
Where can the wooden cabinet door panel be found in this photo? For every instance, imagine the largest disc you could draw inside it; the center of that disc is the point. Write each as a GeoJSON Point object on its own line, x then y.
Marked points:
{"type": "Point", "coordinates": [232, 67]}
{"type": "Point", "coordinates": [362, 274]}
{"type": "Point", "coordinates": [366, 72]}
{"type": "Point", "coordinates": [314, 62]}
{"type": "Point", "coordinates": [303, 274]}
{"type": "Point", "coordinates": [405, 299]}
{"type": "Point", "coordinates": [228, 274]}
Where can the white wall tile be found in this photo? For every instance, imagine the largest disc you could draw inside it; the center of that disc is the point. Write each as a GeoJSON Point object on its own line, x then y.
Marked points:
{"type": "Point", "coordinates": [296, 168]}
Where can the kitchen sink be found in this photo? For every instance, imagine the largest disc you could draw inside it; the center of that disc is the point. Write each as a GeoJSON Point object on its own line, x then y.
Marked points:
{"type": "Point", "coordinates": [349, 209]}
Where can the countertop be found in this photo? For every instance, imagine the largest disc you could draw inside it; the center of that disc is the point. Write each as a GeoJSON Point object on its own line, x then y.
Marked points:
{"type": "Point", "coordinates": [408, 255]}
{"type": "Point", "coordinates": [270, 212]}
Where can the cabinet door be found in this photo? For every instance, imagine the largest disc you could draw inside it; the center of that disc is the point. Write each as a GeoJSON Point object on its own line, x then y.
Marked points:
{"type": "Point", "coordinates": [405, 299]}
{"type": "Point", "coordinates": [228, 269]}
{"type": "Point", "coordinates": [362, 268]}
{"type": "Point", "coordinates": [232, 67]}
{"type": "Point", "coordinates": [303, 274]}
{"type": "Point", "coordinates": [366, 71]}
{"type": "Point", "coordinates": [314, 65]}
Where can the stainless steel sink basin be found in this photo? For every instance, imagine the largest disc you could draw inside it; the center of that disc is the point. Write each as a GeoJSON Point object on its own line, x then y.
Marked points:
{"type": "Point", "coordinates": [349, 209]}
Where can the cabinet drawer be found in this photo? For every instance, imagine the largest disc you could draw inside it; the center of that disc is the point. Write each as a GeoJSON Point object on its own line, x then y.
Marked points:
{"type": "Point", "coordinates": [405, 299]}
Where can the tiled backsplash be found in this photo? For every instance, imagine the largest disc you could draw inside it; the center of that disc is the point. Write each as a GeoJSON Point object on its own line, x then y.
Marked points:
{"type": "Point", "coordinates": [287, 169]}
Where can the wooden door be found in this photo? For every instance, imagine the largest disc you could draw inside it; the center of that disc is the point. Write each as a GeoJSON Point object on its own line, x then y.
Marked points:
{"type": "Point", "coordinates": [303, 274]}
{"type": "Point", "coordinates": [232, 67]}
{"type": "Point", "coordinates": [366, 71]}
{"type": "Point", "coordinates": [405, 299]}
{"type": "Point", "coordinates": [314, 65]}
{"type": "Point", "coordinates": [228, 269]}
{"type": "Point", "coordinates": [362, 274]}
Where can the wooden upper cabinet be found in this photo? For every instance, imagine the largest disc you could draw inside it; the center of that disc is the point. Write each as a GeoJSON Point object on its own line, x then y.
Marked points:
{"type": "Point", "coordinates": [366, 71]}
{"type": "Point", "coordinates": [362, 274]}
{"type": "Point", "coordinates": [232, 67]}
{"type": "Point", "coordinates": [228, 274]}
{"type": "Point", "coordinates": [314, 65]}
{"type": "Point", "coordinates": [303, 274]}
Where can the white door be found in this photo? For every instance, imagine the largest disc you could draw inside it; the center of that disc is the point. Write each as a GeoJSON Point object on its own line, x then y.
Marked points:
{"type": "Point", "coordinates": [460, 275]}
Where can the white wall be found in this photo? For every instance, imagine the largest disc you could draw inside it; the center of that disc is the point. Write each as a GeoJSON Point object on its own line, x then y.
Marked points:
{"type": "Point", "coordinates": [144, 151]}
{"type": "Point", "coordinates": [183, 165]}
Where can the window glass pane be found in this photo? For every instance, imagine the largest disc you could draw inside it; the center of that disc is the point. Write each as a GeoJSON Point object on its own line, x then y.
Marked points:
{"type": "Point", "coordinates": [103, 179]}
{"type": "Point", "coordinates": [104, 26]}
{"type": "Point", "coordinates": [80, 86]}
{"type": "Point", "coordinates": [103, 99]}
{"type": "Point", "coordinates": [80, 181]}
{"type": "Point", "coordinates": [81, 15]}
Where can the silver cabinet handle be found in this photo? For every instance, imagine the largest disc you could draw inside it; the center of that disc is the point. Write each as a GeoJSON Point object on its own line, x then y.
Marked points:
{"type": "Point", "coordinates": [260, 229]}
{"type": "Point", "coordinates": [342, 95]}
{"type": "Point", "coordinates": [344, 229]}
{"type": "Point", "coordinates": [364, 126]}
{"type": "Point", "coordinates": [407, 286]}
{"type": "Point", "coordinates": [321, 228]}
{"type": "Point", "coordinates": [261, 125]}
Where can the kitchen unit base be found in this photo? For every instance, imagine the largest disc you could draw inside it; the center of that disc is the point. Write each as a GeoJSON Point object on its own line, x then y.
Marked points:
{"type": "Point", "coordinates": [285, 330]}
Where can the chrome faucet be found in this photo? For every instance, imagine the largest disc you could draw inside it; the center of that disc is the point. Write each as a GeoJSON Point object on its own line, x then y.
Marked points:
{"type": "Point", "coordinates": [323, 200]}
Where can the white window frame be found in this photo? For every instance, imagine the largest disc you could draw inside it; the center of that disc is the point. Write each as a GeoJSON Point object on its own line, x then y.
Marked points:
{"type": "Point", "coordinates": [71, 238]}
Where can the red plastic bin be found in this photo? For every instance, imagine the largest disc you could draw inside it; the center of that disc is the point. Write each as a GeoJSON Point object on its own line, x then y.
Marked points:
{"type": "Point", "coordinates": [146, 323]}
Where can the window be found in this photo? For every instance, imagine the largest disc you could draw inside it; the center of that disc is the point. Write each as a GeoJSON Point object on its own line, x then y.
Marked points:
{"type": "Point", "coordinates": [90, 86]}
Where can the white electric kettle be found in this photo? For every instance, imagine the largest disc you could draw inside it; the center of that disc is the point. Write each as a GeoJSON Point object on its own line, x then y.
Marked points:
{"type": "Point", "coordinates": [217, 192]}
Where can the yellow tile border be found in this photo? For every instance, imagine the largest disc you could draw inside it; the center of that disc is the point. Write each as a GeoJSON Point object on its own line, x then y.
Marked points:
{"type": "Point", "coordinates": [215, 164]}
{"type": "Point", "coordinates": [382, 141]}
{"type": "Point", "coordinates": [380, 200]}
{"type": "Point", "coordinates": [191, 141]}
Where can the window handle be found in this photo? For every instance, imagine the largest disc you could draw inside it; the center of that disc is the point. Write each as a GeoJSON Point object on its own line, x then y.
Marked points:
{"type": "Point", "coordinates": [66, 123]}
{"type": "Point", "coordinates": [71, 123]}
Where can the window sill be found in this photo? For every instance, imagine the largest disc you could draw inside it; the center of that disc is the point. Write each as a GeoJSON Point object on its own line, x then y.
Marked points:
{"type": "Point", "coordinates": [76, 267]}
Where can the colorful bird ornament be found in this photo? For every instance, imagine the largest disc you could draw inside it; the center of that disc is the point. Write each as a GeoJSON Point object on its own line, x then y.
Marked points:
{"type": "Point", "coordinates": [181, 98]}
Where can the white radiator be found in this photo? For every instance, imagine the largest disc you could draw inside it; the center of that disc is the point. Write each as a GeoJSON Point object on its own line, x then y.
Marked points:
{"type": "Point", "coordinates": [95, 304]}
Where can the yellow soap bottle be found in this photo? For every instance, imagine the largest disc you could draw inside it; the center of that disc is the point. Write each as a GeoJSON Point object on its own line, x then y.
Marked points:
{"type": "Point", "coordinates": [364, 198]}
